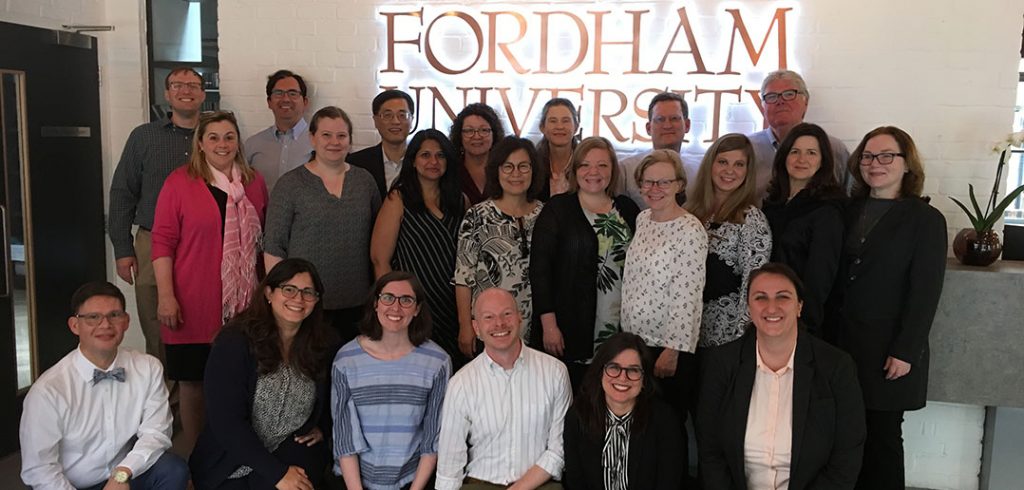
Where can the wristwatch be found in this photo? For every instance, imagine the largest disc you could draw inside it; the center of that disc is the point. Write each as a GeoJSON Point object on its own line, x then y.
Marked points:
{"type": "Point", "coordinates": [121, 476]}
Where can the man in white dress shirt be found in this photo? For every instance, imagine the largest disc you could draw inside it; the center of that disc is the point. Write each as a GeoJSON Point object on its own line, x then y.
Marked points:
{"type": "Point", "coordinates": [99, 418]}
{"type": "Point", "coordinates": [784, 99]}
{"type": "Point", "coordinates": [285, 145]}
{"type": "Point", "coordinates": [502, 421]}
{"type": "Point", "coordinates": [668, 121]}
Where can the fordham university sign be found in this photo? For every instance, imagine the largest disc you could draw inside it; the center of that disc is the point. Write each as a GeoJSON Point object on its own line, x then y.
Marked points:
{"type": "Point", "coordinates": [608, 58]}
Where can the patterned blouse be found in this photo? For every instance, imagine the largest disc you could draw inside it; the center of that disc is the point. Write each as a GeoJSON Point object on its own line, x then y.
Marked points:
{"type": "Point", "coordinates": [734, 250]}
{"type": "Point", "coordinates": [664, 280]}
{"type": "Point", "coordinates": [283, 402]}
{"type": "Point", "coordinates": [494, 251]}
{"type": "Point", "coordinates": [613, 237]}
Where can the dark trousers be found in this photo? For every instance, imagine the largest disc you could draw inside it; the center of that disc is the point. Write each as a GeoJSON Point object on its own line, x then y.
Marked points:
{"type": "Point", "coordinates": [345, 322]}
{"type": "Point", "coordinates": [168, 473]}
{"type": "Point", "coordinates": [680, 392]}
{"type": "Point", "coordinates": [312, 459]}
{"type": "Point", "coordinates": [882, 468]}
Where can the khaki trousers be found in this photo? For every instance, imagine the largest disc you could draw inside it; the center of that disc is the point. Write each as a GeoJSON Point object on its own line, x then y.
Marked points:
{"type": "Point", "coordinates": [474, 484]}
{"type": "Point", "coordinates": [146, 295]}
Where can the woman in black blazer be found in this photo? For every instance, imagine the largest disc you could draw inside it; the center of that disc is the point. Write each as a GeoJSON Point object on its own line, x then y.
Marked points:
{"type": "Point", "coordinates": [617, 423]}
{"type": "Point", "coordinates": [742, 419]}
{"type": "Point", "coordinates": [804, 210]}
{"type": "Point", "coordinates": [576, 275]}
{"type": "Point", "coordinates": [888, 288]}
{"type": "Point", "coordinates": [267, 390]}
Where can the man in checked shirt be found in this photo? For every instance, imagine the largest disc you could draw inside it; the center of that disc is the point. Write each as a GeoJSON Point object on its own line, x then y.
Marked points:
{"type": "Point", "coordinates": [152, 151]}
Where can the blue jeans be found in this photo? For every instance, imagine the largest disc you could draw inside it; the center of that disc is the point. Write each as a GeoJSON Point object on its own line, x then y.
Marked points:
{"type": "Point", "coordinates": [168, 473]}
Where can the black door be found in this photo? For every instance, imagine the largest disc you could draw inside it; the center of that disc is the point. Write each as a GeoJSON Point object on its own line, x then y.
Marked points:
{"type": "Point", "coordinates": [51, 202]}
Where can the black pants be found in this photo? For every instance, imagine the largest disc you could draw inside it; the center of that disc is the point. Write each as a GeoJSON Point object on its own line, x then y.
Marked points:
{"type": "Point", "coordinates": [680, 392]}
{"type": "Point", "coordinates": [882, 468]}
{"type": "Point", "coordinates": [312, 459]}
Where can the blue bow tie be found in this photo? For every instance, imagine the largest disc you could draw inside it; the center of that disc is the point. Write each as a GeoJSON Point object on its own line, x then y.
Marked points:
{"type": "Point", "coordinates": [116, 374]}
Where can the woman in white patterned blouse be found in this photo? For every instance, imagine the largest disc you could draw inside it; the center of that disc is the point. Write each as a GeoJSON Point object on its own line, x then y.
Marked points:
{"type": "Point", "coordinates": [664, 278]}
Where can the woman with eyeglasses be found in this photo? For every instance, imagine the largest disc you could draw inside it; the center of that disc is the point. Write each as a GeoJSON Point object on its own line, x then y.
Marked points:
{"type": "Point", "coordinates": [618, 434]}
{"type": "Point", "coordinates": [779, 408]}
{"type": "Point", "coordinates": [579, 250]}
{"type": "Point", "coordinates": [323, 211]}
{"type": "Point", "coordinates": [804, 209]}
{"type": "Point", "coordinates": [739, 239]}
{"type": "Point", "coordinates": [267, 389]}
{"type": "Point", "coordinates": [889, 282]}
{"type": "Point", "coordinates": [474, 132]}
{"type": "Point", "coordinates": [494, 239]}
{"type": "Point", "coordinates": [417, 229]}
{"type": "Point", "coordinates": [387, 388]}
{"type": "Point", "coordinates": [206, 229]}
{"type": "Point", "coordinates": [663, 280]}
{"type": "Point", "coordinates": [560, 124]}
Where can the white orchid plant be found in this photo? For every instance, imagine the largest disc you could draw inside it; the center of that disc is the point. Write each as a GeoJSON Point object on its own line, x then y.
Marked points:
{"type": "Point", "coordinates": [984, 221]}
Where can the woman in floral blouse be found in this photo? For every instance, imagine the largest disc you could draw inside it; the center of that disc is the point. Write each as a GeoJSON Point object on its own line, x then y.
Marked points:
{"type": "Point", "coordinates": [494, 239]}
{"type": "Point", "coordinates": [579, 249]}
{"type": "Point", "coordinates": [739, 239]}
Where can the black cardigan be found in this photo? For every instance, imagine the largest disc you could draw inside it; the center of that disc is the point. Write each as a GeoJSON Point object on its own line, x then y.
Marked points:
{"type": "Point", "coordinates": [885, 299]}
{"type": "Point", "coordinates": [655, 454]}
{"type": "Point", "coordinates": [828, 415]}
{"type": "Point", "coordinates": [807, 235]}
{"type": "Point", "coordinates": [228, 439]}
{"type": "Point", "coordinates": [563, 271]}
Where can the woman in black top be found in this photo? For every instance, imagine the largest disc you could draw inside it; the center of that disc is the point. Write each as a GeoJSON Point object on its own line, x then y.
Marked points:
{"type": "Point", "coordinates": [474, 132]}
{"type": "Point", "coordinates": [883, 304]}
{"type": "Point", "coordinates": [804, 210]}
{"type": "Point", "coordinates": [618, 435]}
{"type": "Point", "coordinates": [579, 250]}
{"type": "Point", "coordinates": [267, 389]}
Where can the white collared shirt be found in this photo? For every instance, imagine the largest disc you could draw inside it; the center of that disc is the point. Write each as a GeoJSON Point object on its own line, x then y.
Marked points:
{"type": "Point", "coordinates": [513, 419]}
{"type": "Point", "coordinates": [768, 445]}
{"type": "Point", "coordinates": [73, 433]}
{"type": "Point", "coordinates": [391, 169]}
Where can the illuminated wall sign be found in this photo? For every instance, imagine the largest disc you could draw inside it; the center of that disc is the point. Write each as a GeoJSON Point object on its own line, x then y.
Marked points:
{"type": "Point", "coordinates": [609, 58]}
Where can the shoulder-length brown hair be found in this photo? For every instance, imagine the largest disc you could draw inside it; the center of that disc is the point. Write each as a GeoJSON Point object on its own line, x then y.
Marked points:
{"type": "Point", "coordinates": [197, 166]}
{"type": "Point", "coordinates": [311, 344]}
{"type": "Point", "coordinates": [733, 210]}
{"type": "Point", "coordinates": [590, 404]}
{"type": "Point", "coordinates": [913, 179]}
{"type": "Point", "coordinates": [419, 327]}
{"type": "Point", "coordinates": [499, 154]}
{"type": "Point", "coordinates": [594, 143]}
{"type": "Point", "coordinates": [822, 184]}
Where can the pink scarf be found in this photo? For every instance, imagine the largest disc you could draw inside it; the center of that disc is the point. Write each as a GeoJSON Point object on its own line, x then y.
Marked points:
{"type": "Point", "coordinates": [241, 231]}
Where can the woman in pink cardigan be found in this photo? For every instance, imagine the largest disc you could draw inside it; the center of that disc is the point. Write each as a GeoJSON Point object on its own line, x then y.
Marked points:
{"type": "Point", "coordinates": [208, 221]}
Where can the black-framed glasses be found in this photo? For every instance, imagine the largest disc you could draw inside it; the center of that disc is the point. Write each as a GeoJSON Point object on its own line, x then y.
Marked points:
{"type": "Point", "coordinates": [884, 158]}
{"type": "Point", "coordinates": [401, 116]}
{"type": "Point", "coordinates": [662, 184]}
{"type": "Point", "coordinates": [613, 370]}
{"type": "Point", "coordinates": [388, 299]}
{"type": "Point", "coordinates": [524, 241]}
{"type": "Point", "coordinates": [308, 294]}
{"type": "Point", "coordinates": [291, 94]}
{"type": "Point", "coordinates": [470, 132]}
{"type": "Point", "coordinates": [785, 95]}
{"type": "Point", "coordinates": [523, 168]}
{"type": "Point", "coordinates": [179, 86]}
{"type": "Point", "coordinates": [115, 317]}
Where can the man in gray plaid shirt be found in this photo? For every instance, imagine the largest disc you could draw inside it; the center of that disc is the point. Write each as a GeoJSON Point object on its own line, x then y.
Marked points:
{"type": "Point", "coordinates": [152, 151]}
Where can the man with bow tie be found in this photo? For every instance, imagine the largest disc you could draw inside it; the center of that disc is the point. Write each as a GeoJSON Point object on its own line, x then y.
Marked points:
{"type": "Point", "coordinates": [99, 418]}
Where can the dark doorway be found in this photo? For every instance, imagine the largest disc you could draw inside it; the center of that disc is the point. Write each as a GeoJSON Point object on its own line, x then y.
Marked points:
{"type": "Point", "coordinates": [51, 202]}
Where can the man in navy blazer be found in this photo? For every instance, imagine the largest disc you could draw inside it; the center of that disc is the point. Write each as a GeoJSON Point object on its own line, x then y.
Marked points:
{"type": "Point", "coordinates": [393, 112]}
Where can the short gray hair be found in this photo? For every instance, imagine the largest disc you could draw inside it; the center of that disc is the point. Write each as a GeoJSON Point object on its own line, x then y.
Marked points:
{"type": "Point", "coordinates": [786, 75]}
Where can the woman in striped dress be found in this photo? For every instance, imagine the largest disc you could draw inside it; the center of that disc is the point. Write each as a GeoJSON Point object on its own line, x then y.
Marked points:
{"type": "Point", "coordinates": [387, 387]}
{"type": "Point", "coordinates": [417, 230]}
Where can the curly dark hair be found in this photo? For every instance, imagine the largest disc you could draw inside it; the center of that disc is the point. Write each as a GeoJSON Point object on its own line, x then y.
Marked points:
{"type": "Point", "coordinates": [313, 342]}
{"type": "Point", "coordinates": [419, 327]}
{"type": "Point", "coordinates": [590, 404]}
{"type": "Point", "coordinates": [408, 182]}
{"type": "Point", "coordinates": [499, 154]}
{"type": "Point", "coordinates": [476, 109]}
{"type": "Point", "coordinates": [823, 184]}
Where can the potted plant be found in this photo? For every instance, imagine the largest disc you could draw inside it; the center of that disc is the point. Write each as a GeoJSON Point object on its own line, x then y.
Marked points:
{"type": "Point", "coordinates": [979, 245]}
